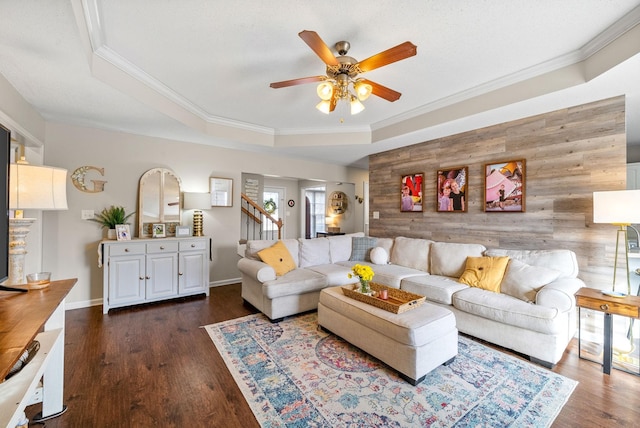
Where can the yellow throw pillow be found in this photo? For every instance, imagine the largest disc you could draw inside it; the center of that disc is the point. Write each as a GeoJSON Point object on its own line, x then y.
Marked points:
{"type": "Point", "coordinates": [484, 272]}
{"type": "Point", "coordinates": [278, 257]}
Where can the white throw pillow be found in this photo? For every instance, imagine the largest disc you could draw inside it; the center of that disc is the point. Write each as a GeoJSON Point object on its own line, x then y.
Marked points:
{"type": "Point", "coordinates": [523, 281]}
{"type": "Point", "coordinates": [379, 256]}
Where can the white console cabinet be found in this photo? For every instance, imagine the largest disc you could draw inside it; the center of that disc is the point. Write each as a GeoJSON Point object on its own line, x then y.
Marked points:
{"type": "Point", "coordinates": [148, 270]}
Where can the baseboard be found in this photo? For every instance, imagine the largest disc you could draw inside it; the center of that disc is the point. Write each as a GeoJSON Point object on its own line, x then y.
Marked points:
{"type": "Point", "coordinates": [97, 302]}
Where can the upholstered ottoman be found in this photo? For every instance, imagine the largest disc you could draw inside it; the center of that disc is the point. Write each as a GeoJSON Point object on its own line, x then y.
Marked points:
{"type": "Point", "coordinates": [413, 343]}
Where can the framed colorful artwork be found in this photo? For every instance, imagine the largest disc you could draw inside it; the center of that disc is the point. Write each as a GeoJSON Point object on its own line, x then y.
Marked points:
{"type": "Point", "coordinates": [452, 189]}
{"type": "Point", "coordinates": [411, 193]}
{"type": "Point", "coordinates": [504, 186]}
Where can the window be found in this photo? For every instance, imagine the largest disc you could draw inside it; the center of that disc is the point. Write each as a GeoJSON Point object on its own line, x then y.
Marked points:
{"type": "Point", "coordinates": [317, 210]}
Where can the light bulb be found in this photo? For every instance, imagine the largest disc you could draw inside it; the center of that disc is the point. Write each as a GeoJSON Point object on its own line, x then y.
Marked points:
{"type": "Point", "coordinates": [324, 106]}
{"type": "Point", "coordinates": [363, 90]}
{"type": "Point", "coordinates": [325, 91]}
{"type": "Point", "coordinates": [356, 106]}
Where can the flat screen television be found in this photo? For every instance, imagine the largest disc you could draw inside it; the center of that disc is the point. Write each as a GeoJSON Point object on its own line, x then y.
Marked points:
{"type": "Point", "coordinates": [5, 150]}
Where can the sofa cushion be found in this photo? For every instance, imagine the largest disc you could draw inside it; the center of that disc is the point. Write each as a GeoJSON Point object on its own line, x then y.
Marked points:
{"type": "Point", "coordinates": [386, 243]}
{"type": "Point", "coordinates": [436, 288]}
{"type": "Point", "coordinates": [411, 252]}
{"type": "Point", "coordinates": [314, 252]}
{"type": "Point", "coordinates": [336, 274]}
{"type": "Point", "coordinates": [298, 281]}
{"type": "Point", "coordinates": [484, 272]}
{"type": "Point", "coordinates": [360, 248]}
{"type": "Point", "coordinates": [278, 257]}
{"type": "Point", "coordinates": [509, 310]}
{"type": "Point", "coordinates": [564, 261]}
{"type": "Point", "coordinates": [339, 248]}
{"type": "Point", "coordinates": [449, 259]}
{"type": "Point", "coordinates": [379, 256]}
{"type": "Point", "coordinates": [253, 246]}
{"type": "Point", "coordinates": [523, 281]}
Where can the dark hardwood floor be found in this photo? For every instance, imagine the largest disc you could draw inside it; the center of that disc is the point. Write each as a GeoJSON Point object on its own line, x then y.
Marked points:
{"type": "Point", "coordinates": [153, 366]}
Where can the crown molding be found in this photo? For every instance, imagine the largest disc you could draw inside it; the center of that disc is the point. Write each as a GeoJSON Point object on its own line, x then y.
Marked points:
{"type": "Point", "coordinates": [601, 41]}
{"type": "Point", "coordinates": [93, 23]}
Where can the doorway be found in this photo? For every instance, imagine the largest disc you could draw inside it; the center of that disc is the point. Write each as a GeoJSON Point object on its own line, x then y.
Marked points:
{"type": "Point", "coordinates": [273, 198]}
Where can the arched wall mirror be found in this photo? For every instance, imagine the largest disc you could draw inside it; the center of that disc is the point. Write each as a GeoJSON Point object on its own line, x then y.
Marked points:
{"type": "Point", "coordinates": [158, 201]}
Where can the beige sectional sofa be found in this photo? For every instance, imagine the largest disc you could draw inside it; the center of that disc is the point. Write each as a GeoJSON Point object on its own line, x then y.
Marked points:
{"type": "Point", "coordinates": [534, 313]}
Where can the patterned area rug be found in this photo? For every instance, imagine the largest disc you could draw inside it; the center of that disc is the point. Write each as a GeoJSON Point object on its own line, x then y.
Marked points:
{"type": "Point", "coordinates": [294, 375]}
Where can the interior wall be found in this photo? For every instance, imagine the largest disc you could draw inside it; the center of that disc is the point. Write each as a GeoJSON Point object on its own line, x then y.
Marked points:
{"type": "Point", "coordinates": [70, 244]}
{"type": "Point", "coordinates": [569, 154]}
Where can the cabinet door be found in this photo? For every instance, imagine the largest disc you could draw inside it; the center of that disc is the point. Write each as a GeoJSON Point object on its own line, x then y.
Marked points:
{"type": "Point", "coordinates": [192, 272]}
{"type": "Point", "coordinates": [126, 280]}
{"type": "Point", "coordinates": [162, 276]}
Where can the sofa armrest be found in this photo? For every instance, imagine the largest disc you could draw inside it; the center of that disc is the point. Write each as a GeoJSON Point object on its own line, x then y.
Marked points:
{"type": "Point", "coordinates": [257, 270]}
{"type": "Point", "coordinates": [560, 294]}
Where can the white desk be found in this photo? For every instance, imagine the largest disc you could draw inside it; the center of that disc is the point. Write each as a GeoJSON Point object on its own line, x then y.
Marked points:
{"type": "Point", "coordinates": [39, 315]}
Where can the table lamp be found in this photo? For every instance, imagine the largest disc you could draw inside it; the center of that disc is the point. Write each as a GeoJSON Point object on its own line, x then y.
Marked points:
{"type": "Point", "coordinates": [197, 202]}
{"type": "Point", "coordinates": [620, 208]}
{"type": "Point", "coordinates": [31, 187]}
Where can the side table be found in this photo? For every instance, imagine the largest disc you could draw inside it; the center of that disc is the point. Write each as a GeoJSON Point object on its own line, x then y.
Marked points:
{"type": "Point", "coordinates": [628, 306]}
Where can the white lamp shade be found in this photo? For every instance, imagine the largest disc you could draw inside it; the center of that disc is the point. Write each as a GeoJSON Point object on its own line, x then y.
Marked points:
{"type": "Point", "coordinates": [616, 207]}
{"type": "Point", "coordinates": [196, 201]}
{"type": "Point", "coordinates": [37, 187]}
{"type": "Point", "coordinates": [356, 106]}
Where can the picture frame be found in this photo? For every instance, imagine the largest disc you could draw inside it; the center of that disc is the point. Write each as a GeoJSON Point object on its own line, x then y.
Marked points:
{"type": "Point", "coordinates": [452, 189]}
{"type": "Point", "coordinates": [183, 231]}
{"type": "Point", "coordinates": [221, 192]}
{"type": "Point", "coordinates": [504, 186]}
{"type": "Point", "coordinates": [122, 232]}
{"type": "Point", "coordinates": [411, 192]}
{"type": "Point", "coordinates": [158, 230]}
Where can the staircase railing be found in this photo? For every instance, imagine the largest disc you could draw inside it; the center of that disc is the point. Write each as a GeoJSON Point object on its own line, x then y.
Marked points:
{"type": "Point", "coordinates": [257, 223]}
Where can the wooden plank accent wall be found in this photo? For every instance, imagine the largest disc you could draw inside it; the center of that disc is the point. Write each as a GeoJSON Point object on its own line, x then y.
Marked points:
{"type": "Point", "coordinates": [569, 154]}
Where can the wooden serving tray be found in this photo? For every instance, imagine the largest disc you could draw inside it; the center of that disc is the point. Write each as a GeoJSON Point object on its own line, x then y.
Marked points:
{"type": "Point", "coordinates": [399, 301]}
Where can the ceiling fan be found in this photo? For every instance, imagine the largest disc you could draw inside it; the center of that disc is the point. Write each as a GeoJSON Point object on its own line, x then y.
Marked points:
{"type": "Point", "coordinates": [342, 74]}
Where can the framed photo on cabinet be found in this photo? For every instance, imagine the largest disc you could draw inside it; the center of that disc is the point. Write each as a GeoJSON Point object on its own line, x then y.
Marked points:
{"type": "Point", "coordinates": [159, 230]}
{"type": "Point", "coordinates": [504, 186]}
{"type": "Point", "coordinates": [452, 189]}
{"type": "Point", "coordinates": [122, 232]}
{"type": "Point", "coordinates": [411, 192]}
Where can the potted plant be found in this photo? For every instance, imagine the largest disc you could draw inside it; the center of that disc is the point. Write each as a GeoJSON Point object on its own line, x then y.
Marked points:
{"type": "Point", "coordinates": [111, 216]}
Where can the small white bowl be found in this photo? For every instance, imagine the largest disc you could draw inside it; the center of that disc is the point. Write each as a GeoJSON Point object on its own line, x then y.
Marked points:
{"type": "Point", "coordinates": [38, 280]}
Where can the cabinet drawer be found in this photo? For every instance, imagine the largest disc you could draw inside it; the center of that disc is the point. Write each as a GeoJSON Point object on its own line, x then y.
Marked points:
{"type": "Point", "coordinates": [162, 247]}
{"type": "Point", "coordinates": [126, 249]}
{"type": "Point", "coordinates": [193, 245]}
{"type": "Point", "coordinates": [616, 308]}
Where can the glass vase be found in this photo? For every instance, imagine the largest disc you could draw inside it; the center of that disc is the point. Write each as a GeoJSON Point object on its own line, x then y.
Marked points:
{"type": "Point", "coordinates": [364, 287]}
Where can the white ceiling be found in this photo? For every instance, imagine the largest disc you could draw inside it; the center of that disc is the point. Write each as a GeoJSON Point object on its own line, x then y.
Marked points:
{"type": "Point", "coordinates": [199, 70]}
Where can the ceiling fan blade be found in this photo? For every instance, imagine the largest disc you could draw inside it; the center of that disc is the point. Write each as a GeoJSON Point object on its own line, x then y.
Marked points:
{"type": "Point", "coordinates": [397, 53]}
{"type": "Point", "coordinates": [321, 49]}
{"type": "Point", "coordinates": [294, 82]}
{"type": "Point", "coordinates": [383, 91]}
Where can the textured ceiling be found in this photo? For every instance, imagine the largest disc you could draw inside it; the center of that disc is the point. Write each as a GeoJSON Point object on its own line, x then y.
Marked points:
{"type": "Point", "coordinates": [199, 71]}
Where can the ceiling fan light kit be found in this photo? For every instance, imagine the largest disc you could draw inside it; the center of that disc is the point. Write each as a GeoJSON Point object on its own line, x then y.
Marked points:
{"type": "Point", "coordinates": [341, 81]}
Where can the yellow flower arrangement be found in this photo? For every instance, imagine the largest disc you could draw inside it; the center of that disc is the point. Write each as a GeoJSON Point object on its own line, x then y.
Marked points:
{"type": "Point", "coordinates": [364, 274]}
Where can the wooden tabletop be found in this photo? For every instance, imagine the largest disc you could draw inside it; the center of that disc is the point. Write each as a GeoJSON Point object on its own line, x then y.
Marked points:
{"type": "Point", "coordinates": [22, 317]}
{"type": "Point", "coordinates": [594, 299]}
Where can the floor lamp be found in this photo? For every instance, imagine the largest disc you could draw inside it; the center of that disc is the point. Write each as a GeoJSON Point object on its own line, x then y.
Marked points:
{"type": "Point", "coordinates": [197, 202]}
{"type": "Point", "coordinates": [31, 187]}
{"type": "Point", "coordinates": [620, 208]}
